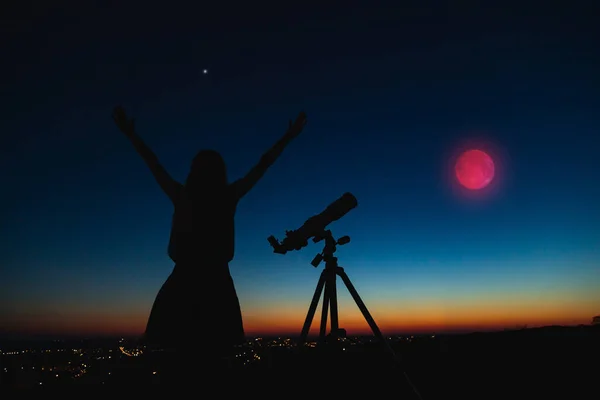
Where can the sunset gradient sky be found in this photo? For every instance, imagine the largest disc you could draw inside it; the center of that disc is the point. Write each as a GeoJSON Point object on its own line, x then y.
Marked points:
{"type": "Point", "coordinates": [392, 97]}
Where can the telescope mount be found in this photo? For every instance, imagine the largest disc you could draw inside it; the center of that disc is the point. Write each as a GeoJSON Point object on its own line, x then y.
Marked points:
{"type": "Point", "coordinates": [327, 286]}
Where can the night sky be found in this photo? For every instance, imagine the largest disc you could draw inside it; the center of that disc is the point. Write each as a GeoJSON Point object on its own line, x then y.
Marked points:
{"type": "Point", "coordinates": [393, 95]}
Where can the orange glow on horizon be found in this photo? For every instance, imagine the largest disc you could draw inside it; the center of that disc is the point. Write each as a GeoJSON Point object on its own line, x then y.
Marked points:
{"type": "Point", "coordinates": [354, 324]}
{"type": "Point", "coordinates": [467, 313]}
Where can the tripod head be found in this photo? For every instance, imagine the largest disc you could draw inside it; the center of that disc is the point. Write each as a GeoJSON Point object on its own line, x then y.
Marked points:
{"type": "Point", "coordinates": [329, 249]}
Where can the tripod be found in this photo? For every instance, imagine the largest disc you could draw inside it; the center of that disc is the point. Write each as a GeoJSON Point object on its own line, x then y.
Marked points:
{"type": "Point", "coordinates": [327, 281]}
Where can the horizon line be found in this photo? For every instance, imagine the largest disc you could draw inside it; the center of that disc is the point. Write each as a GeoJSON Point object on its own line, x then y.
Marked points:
{"type": "Point", "coordinates": [82, 336]}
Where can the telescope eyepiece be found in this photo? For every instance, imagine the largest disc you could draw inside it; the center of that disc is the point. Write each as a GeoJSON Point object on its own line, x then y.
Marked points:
{"type": "Point", "coordinates": [273, 241]}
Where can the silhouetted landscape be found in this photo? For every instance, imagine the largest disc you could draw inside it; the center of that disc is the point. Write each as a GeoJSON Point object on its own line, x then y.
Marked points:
{"type": "Point", "coordinates": [535, 361]}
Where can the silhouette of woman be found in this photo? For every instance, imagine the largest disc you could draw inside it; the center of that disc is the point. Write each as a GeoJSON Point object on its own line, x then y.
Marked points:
{"type": "Point", "coordinates": [199, 298]}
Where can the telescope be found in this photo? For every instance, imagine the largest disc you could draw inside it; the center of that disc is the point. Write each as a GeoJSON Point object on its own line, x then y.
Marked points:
{"type": "Point", "coordinates": [314, 226]}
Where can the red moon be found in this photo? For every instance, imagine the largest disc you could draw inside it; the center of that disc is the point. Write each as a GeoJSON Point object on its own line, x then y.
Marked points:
{"type": "Point", "coordinates": [474, 169]}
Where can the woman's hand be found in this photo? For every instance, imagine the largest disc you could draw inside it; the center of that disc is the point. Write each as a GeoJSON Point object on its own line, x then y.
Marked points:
{"type": "Point", "coordinates": [296, 127]}
{"type": "Point", "coordinates": [126, 125]}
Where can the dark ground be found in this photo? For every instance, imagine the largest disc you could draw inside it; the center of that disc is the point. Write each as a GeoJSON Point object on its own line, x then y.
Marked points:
{"type": "Point", "coordinates": [557, 362]}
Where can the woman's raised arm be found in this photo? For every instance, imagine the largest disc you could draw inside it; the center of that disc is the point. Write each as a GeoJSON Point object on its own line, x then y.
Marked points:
{"type": "Point", "coordinates": [243, 185]}
{"type": "Point", "coordinates": [169, 185]}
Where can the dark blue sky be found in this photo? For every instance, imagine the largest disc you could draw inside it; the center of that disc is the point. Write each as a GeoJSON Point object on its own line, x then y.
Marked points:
{"type": "Point", "coordinates": [392, 94]}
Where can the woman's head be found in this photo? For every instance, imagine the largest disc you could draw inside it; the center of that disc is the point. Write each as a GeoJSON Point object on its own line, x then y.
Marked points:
{"type": "Point", "coordinates": [207, 172]}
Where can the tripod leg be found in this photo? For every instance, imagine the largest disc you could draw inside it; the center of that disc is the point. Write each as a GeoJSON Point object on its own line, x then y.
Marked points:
{"type": "Point", "coordinates": [325, 310]}
{"type": "Point", "coordinates": [363, 308]}
{"type": "Point", "coordinates": [333, 305]}
{"type": "Point", "coordinates": [313, 307]}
